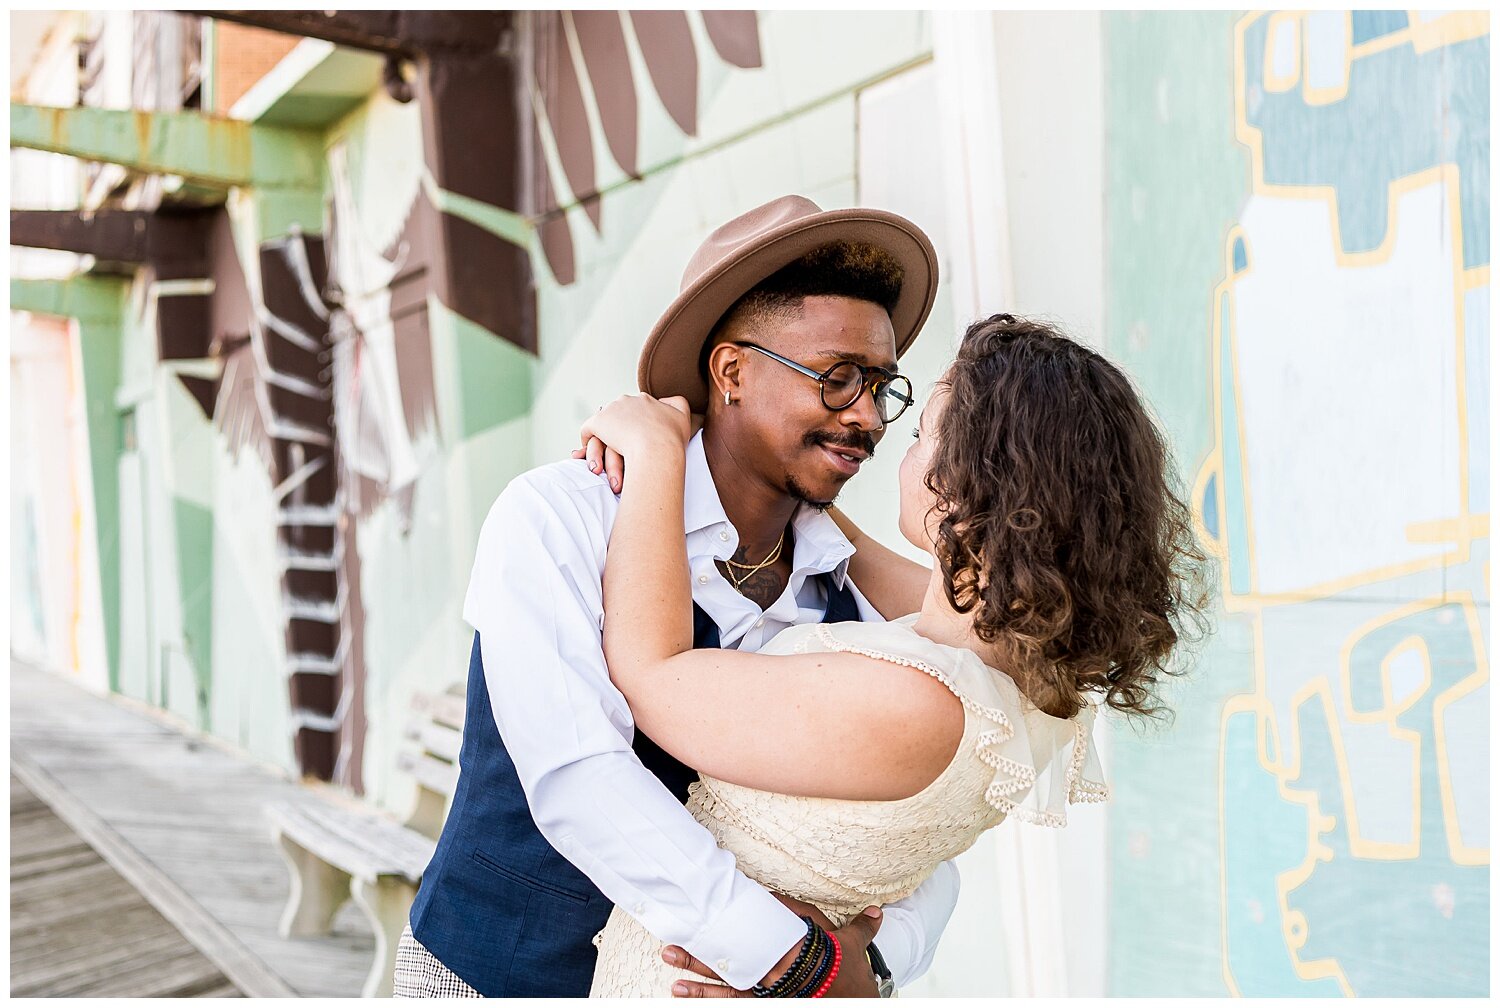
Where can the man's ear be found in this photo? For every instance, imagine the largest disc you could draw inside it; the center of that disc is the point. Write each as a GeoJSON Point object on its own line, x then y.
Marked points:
{"type": "Point", "coordinates": [724, 363]}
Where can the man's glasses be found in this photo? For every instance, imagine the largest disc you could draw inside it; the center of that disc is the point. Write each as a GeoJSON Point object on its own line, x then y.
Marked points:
{"type": "Point", "coordinates": [846, 381]}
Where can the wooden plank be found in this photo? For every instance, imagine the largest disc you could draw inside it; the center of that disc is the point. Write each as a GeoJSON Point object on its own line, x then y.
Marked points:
{"type": "Point", "coordinates": [153, 974]}
{"type": "Point", "coordinates": [90, 927]}
{"type": "Point", "coordinates": [172, 795]}
{"type": "Point", "coordinates": [244, 970]}
{"type": "Point", "coordinates": [28, 944]}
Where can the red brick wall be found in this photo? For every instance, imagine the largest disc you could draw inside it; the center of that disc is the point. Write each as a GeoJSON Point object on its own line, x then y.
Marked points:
{"type": "Point", "coordinates": [242, 56]}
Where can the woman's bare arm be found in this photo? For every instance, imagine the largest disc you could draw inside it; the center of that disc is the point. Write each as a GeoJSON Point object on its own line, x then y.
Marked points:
{"type": "Point", "coordinates": [823, 725]}
{"type": "Point", "coordinates": [894, 585]}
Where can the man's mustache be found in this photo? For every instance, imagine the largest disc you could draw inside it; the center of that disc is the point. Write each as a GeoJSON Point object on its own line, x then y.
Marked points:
{"type": "Point", "coordinates": [864, 443]}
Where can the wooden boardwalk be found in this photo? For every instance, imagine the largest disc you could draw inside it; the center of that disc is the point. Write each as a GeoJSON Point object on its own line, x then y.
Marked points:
{"type": "Point", "coordinates": [77, 929]}
{"type": "Point", "coordinates": [180, 819]}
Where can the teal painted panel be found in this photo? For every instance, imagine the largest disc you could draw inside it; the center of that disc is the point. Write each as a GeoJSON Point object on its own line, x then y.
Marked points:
{"type": "Point", "coordinates": [1263, 837]}
{"type": "Point", "coordinates": [194, 525]}
{"type": "Point", "coordinates": [494, 376]}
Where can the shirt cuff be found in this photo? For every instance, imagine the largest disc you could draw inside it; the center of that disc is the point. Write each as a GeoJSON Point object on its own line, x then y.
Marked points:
{"type": "Point", "coordinates": [746, 941]}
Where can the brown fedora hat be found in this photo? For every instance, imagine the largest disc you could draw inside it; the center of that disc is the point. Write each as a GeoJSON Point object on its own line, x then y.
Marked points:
{"type": "Point", "coordinates": [750, 248]}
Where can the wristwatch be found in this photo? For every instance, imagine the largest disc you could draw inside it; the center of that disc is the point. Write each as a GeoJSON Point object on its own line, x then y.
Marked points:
{"type": "Point", "coordinates": [884, 985]}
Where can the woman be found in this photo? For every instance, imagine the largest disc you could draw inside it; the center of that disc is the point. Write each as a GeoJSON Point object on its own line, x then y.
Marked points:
{"type": "Point", "coordinates": [844, 762]}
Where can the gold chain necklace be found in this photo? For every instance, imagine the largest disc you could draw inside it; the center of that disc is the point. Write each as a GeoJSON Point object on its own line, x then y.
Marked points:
{"type": "Point", "coordinates": [749, 570]}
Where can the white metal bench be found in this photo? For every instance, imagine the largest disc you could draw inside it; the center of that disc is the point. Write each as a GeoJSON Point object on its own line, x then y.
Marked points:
{"type": "Point", "coordinates": [335, 853]}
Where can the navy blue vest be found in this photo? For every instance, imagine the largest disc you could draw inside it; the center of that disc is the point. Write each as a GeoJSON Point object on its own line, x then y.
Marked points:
{"type": "Point", "coordinates": [498, 905]}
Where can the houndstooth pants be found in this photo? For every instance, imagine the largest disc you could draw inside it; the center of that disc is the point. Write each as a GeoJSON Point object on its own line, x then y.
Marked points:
{"type": "Point", "coordinates": [419, 974]}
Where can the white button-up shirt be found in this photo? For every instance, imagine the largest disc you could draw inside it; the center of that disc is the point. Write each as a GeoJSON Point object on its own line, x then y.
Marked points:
{"type": "Point", "coordinates": [536, 598]}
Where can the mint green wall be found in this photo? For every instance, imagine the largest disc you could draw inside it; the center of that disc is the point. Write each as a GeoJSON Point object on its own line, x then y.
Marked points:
{"type": "Point", "coordinates": [1297, 274]}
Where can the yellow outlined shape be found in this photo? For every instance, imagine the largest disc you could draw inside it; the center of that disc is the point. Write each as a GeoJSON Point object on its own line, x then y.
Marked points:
{"type": "Point", "coordinates": [1457, 850]}
{"type": "Point", "coordinates": [1359, 845]}
{"type": "Point", "coordinates": [1336, 92]}
{"type": "Point", "coordinates": [1294, 922]}
{"type": "Point", "coordinates": [1284, 29]}
{"type": "Point", "coordinates": [1448, 176]}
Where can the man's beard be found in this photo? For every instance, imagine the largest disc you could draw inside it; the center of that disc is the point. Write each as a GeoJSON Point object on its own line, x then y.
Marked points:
{"type": "Point", "coordinates": [818, 439]}
{"type": "Point", "coordinates": [797, 492]}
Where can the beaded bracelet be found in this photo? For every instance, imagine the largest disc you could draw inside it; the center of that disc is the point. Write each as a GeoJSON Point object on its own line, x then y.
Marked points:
{"type": "Point", "coordinates": [806, 971]}
{"type": "Point", "coordinates": [802, 974]}
{"type": "Point", "coordinates": [812, 952]}
{"type": "Point", "coordinates": [838, 959]}
{"type": "Point", "coordinates": [820, 972]}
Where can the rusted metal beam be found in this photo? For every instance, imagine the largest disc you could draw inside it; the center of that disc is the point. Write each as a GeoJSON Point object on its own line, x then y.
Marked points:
{"type": "Point", "coordinates": [87, 298]}
{"type": "Point", "coordinates": [205, 149]}
{"type": "Point", "coordinates": [406, 34]}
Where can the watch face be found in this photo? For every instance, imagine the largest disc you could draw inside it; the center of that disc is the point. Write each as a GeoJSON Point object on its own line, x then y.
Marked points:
{"type": "Point", "coordinates": [885, 986]}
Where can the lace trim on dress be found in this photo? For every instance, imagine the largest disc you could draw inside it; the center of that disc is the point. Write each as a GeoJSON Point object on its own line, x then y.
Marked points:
{"type": "Point", "coordinates": [1013, 780]}
{"type": "Point", "coordinates": [1081, 790]}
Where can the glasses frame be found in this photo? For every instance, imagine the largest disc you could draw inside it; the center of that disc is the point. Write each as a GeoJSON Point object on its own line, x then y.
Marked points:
{"type": "Point", "coordinates": [886, 377]}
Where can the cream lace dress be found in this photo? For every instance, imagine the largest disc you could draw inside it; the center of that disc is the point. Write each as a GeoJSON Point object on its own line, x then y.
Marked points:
{"type": "Point", "coordinates": [1014, 761]}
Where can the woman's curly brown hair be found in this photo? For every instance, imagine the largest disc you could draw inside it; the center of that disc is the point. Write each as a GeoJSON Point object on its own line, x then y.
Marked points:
{"type": "Point", "coordinates": [1059, 527]}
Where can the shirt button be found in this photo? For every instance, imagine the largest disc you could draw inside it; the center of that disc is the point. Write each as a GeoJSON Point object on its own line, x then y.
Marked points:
{"type": "Point", "coordinates": [721, 965]}
{"type": "Point", "coordinates": [703, 579]}
{"type": "Point", "coordinates": [759, 623]}
{"type": "Point", "coordinates": [640, 908]}
{"type": "Point", "coordinates": [724, 536]}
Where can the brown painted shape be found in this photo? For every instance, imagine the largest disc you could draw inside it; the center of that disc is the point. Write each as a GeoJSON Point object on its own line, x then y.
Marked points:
{"type": "Point", "coordinates": [562, 97]}
{"type": "Point", "coordinates": [182, 326]}
{"type": "Point", "coordinates": [111, 236]}
{"type": "Point", "coordinates": [475, 147]}
{"type": "Point", "coordinates": [316, 752]}
{"type": "Point", "coordinates": [666, 44]}
{"type": "Point", "coordinates": [735, 35]}
{"type": "Point", "coordinates": [471, 127]}
{"type": "Point", "coordinates": [409, 322]}
{"type": "Point", "coordinates": [552, 231]}
{"type": "Point", "coordinates": [229, 307]}
{"type": "Point", "coordinates": [173, 241]}
{"type": "Point", "coordinates": [204, 390]}
{"type": "Point", "coordinates": [601, 37]}
{"type": "Point", "coordinates": [352, 740]}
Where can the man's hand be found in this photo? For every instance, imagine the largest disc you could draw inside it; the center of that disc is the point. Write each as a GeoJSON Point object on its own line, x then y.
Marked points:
{"type": "Point", "coordinates": [855, 979]}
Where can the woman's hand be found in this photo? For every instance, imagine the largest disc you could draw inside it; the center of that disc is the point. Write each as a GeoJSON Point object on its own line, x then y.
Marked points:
{"type": "Point", "coordinates": [633, 423]}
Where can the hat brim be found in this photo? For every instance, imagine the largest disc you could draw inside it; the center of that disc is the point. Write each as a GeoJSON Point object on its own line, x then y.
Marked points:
{"type": "Point", "coordinates": [669, 360]}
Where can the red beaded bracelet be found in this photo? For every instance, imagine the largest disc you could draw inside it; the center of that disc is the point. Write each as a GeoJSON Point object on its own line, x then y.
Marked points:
{"type": "Point", "coordinates": [838, 957]}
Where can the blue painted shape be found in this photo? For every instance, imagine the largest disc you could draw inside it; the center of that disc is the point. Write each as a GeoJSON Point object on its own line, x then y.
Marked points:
{"type": "Point", "coordinates": [1211, 506]}
{"type": "Point", "coordinates": [1430, 936]}
{"type": "Point", "coordinates": [1236, 520]}
{"type": "Point", "coordinates": [1241, 257]}
{"type": "Point", "coordinates": [1264, 835]}
{"type": "Point", "coordinates": [1404, 112]}
{"type": "Point", "coordinates": [1372, 24]}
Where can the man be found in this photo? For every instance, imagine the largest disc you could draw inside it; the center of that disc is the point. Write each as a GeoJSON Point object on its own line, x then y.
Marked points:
{"type": "Point", "coordinates": [797, 317]}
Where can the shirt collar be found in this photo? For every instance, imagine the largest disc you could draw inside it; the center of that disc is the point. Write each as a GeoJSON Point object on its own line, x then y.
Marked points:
{"type": "Point", "coordinates": [701, 506]}
{"type": "Point", "coordinates": [820, 546]}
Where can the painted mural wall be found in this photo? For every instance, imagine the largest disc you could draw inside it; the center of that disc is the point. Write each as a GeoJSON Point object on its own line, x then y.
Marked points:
{"type": "Point", "coordinates": [1298, 273]}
